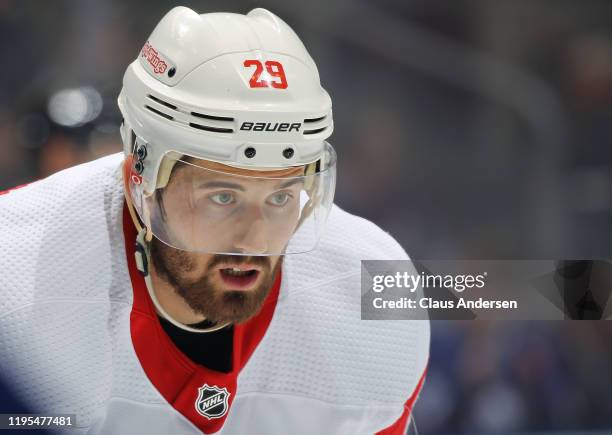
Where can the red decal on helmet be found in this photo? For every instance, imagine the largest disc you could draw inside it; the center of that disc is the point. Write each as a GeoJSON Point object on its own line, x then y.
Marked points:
{"type": "Point", "coordinates": [152, 56]}
{"type": "Point", "coordinates": [274, 69]}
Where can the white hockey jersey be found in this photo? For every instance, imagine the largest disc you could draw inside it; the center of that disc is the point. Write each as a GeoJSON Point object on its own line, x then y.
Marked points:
{"type": "Point", "coordinates": [79, 334]}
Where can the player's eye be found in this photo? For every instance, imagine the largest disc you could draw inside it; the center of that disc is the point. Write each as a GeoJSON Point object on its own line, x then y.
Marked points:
{"type": "Point", "coordinates": [223, 198]}
{"type": "Point", "coordinates": [279, 199]}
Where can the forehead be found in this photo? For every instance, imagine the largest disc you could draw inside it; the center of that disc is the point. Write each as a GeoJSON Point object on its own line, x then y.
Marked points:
{"type": "Point", "coordinates": [215, 166]}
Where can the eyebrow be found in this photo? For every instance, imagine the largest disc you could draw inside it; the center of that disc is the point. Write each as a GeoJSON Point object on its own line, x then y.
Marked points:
{"type": "Point", "coordinates": [222, 184]}
{"type": "Point", "coordinates": [228, 185]}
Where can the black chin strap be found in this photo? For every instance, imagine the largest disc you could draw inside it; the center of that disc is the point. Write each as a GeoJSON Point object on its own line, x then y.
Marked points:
{"type": "Point", "coordinates": [142, 261]}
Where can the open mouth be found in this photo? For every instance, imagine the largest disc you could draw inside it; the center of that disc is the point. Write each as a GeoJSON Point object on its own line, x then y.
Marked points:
{"type": "Point", "coordinates": [238, 278]}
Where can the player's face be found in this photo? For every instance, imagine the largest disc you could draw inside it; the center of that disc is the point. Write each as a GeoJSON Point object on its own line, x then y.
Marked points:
{"type": "Point", "coordinates": [228, 288]}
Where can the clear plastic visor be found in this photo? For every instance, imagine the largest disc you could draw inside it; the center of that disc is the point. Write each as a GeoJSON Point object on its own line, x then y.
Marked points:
{"type": "Point", "coordinates": [209, 207]}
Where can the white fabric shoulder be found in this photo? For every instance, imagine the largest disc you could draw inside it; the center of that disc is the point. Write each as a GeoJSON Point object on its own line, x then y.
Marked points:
{"type": "Point", "coordinates": [347, 240]}
{"type": "Point", "coordinates": [54, 235]}
{"type": "Point", "coordinates": [362, 238]}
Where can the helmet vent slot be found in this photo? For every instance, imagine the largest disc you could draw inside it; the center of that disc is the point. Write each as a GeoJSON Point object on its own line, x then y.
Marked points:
{"type": "Point", "coordinates": [162, 102]}
{"type": "Point", "coordinates": [315, 125]}
{"type": "Point", "coordinates": [182, 116]}
{"type": "Point", "coordinates": [212, 118]}
{"type": "Point", "coordinates": [213, 129]}
{"type": "Point", "coordinates": [165, 115]}
{"type": "Point", "coordinates": [315, 131]}
{"type": "Point", "coordinates": [307, 121]}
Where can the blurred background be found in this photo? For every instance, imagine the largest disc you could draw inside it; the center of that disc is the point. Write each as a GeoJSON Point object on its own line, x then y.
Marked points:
{"type": "Point", "coordinates": [472, 129]}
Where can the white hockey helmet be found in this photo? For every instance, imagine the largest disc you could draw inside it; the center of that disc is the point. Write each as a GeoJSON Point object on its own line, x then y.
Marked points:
{"type": "Point", "coordinates": [234, 104]}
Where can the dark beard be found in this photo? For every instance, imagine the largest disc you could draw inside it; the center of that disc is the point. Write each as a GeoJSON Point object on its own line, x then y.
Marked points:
{"type": "Point", "coordinates": [218, 306]}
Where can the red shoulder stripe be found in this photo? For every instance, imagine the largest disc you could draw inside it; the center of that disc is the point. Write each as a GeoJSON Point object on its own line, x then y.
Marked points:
{"type": "Point", "coordinates": [399, 427]}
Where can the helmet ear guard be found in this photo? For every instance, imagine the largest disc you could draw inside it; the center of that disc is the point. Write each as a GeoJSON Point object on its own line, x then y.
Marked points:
{"type": "Point", "coordinates": [133, 167]}
{"type": "Point", "coordinates": [127, 173]}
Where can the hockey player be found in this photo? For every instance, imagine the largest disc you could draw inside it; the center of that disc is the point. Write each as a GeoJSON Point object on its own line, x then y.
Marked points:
{"type": "Point", "coordinates": [186, 285]}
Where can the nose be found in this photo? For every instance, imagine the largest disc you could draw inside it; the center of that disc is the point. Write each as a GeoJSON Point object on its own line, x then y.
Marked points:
{"type": "Point", "coordinates": [253, 239]}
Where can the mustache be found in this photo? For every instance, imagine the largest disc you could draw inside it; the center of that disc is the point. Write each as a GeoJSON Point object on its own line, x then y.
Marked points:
{"type": "Point", "coordinates": [240, 259]}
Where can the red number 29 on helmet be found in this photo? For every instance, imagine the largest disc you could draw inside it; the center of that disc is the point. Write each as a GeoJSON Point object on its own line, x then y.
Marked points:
{"type": "Point", "coordinates": [275, 71]}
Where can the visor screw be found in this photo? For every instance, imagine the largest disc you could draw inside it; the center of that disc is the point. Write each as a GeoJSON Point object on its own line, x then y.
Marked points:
{"type": "Point", "coordinates": [171, 72]}
{"type": "Point", "coordinates": [138, 167]}
{"type": "Point", "coordinates": [250, 152]}
{"type": "Point", "coordinates": [141, 152]}
{"type": "Point", "coordinates": [288, 153]}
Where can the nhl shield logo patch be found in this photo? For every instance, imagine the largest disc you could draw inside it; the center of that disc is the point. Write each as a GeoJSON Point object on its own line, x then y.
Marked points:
{"type": "Point", "coordinates": [212, 401]}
